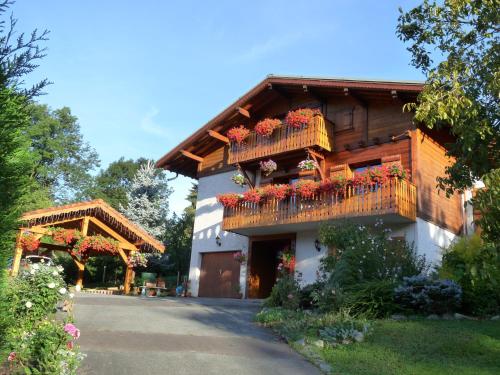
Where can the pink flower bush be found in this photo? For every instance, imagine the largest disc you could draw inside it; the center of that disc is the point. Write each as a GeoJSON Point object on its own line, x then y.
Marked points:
{"type": "Point", "coordinates": [72, 330]}
{"type": "Point", "coordinates": [11, 357]}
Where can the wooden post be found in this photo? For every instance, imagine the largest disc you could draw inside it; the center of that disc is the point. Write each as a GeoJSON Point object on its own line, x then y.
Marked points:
{"type": "Point", "coordinates": [128, 279]}
{"type": "Point", "coordinates": [17, 256]}
{"type": "Point", "coordinates": [81, 269]}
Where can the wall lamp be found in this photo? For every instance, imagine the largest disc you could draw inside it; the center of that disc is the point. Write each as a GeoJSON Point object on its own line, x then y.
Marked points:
{"type": "Point", "coordinates": [218, 241]}
{"type": "Point", "coordinates": [317, 245]}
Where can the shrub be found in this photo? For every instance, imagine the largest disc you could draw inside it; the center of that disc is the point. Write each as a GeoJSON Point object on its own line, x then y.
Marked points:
{"type": "Point", "coordinates": [371, 299]}
{"type": "Point", "coordinates": [475, 265]}
{"type": "Point", "coordinates": [344, 333]}
{"type": "Point", "coordinates": [421, 294]}
{"type": "Point", "coordinates": [285, 293]}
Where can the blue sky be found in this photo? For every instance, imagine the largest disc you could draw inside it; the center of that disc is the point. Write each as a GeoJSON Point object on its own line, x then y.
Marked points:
{"type": "Point", "coordinates": [142, 76]}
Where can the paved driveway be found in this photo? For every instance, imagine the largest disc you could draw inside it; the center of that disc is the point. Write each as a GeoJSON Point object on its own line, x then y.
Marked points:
{"type": "Point", "coordinates": [131, 335]}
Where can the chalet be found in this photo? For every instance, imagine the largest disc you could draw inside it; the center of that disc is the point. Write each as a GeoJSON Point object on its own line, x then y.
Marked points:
{"type": "Point", "coordinates": [345, 127]}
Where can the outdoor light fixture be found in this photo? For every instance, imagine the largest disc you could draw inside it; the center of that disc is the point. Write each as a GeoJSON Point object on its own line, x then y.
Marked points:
{"type": "Point", "coordinates": [218, 241]}
{"type": "Point", "coordinates": [317, 245]}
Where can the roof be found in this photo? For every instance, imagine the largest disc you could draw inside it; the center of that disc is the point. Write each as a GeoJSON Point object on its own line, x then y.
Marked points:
{"type": "Point", "coordinates": [98, 209]}
{"type": "Point", "coordinates": [201, 144]}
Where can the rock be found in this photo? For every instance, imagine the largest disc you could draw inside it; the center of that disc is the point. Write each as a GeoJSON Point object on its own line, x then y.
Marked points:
{"type": "Point", "coordinates": [496, 317]}
{"type": "Point", "coordinates": [319, 343]}
{"type": "Point", "coordinates": [448, 316]}
{"type": "Point", "coordinates": [300, 342]}
{"type": "Point", "coordinates": [433, 317]}
{"type": "Point", "coordinates": [358, 336]}
{"type": "Point", "coordinates": [325, 367]}
{"type": "Point", "coordinates": [398, 317]}
{"type": "Point", "coordinates": [462, 316]}
{"type": "Point", "coordinates": [346, 342]}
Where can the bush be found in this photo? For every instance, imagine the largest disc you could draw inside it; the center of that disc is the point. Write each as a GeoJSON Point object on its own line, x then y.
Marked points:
{"type": "Point", "coordinates": [475, 265]}
{"type": "Point", "coordinates": [308, 293]}
{"type": "Point", "coordinates": [285, 293]}
{"type": "Point", "coordinates": [423, 295]}
{"type": "Point", "coordinates": [344, 333]}
{"type": "Point", "coordinates": [371, 299]}
{"type": "Point", "coordinates": [37, 343]}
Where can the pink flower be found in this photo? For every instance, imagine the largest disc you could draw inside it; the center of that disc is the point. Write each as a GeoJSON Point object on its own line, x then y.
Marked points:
{"type": "Point", "coordinates": [290, 296]}
{"type": "Point", "coordinates": [12, 356]}
{"type": "Point", "coordinates": [72, 330]}
{"type": "Point", "coordinates": [69, 345]}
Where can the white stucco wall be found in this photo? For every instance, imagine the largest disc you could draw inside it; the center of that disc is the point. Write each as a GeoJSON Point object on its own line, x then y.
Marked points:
{"type": "Point", "coordinates": [307, 258]}
{"type": "Point", "coordinates": [207, 225]}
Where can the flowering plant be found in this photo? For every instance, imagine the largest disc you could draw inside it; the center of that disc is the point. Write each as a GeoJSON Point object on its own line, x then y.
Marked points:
{"type": "Point", "coordinates": [137, 260]}
{"type": "Point", "coordinates": [238, 179]}
{"type": "Point", "coordinates": [278, 192]}
{"type": "Point", "coordinates": [65, 236]}
{"type": "Point", "coordinates": [308, 165]}
{"type": "Point", "coordinates": [229, 199]}
{"type": "Point", "coordinates": [95, 243]}
{"type": "Point", "coordinates": [287, 262]}
{"type": "Point", "coordinates": [29, 242]}
{"type": "Point", "coordinates": [266, 127]}
{"type": "Point", "coordinates": [253, 195]}
{"type": "Point", "coordinates": [268, 167]}
{"type": "Point", "coordinates": [300, 117]}
{"type": "Point", "coordinates": [360, 179]}
{"type": "Point", "coordinates": [240, 257]}
{"type": "Point", "coordinates": [238, 134]}
{"type": "Point", "coordinates": [378, 174]}
{"type": "Point", "coordinates": [336, 183]}
{"type": "Point", "coordinates": [306, 188]}
{"type": "Point", "coordinates": [396, 170]}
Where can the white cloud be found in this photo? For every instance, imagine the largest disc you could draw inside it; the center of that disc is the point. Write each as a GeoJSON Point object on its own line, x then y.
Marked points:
{"type": "Point", "coordinates": [149, 125]}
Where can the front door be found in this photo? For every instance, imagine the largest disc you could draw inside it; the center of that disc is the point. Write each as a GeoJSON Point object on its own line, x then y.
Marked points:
{"type": "Point", "coordinates": [220, 275]}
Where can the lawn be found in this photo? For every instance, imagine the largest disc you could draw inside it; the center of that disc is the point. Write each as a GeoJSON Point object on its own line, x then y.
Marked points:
{"type": "Point", "coordinates": [417, 346]}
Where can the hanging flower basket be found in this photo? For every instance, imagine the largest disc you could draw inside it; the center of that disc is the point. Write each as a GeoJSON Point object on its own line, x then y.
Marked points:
{"type": "Point", "coordinates": [95, 243]}
{"type": "Point", "coordinates": [266, 127]}
{"type": "Point", "coordinates": [307, 165]}
{"type": "Point", "coordinates": [138, 260]}
{"type": "Point", "coordinates": [253, 196]}
{"type": "Point", "coordinates": [268, 167]}
{"type": "Point", "coordinates": [29, 242]}
{"type": "Point", "coordinates": [238, 134]}
{"type": "Point", "coordinates": [229, 199]}
{"type": "Point", "coordinates": [306, 188]}
{"type": "Point", "coordinates": [238, 179]}
{"type": "Point", "coordinates": [300, 118]}
{"type": "Point", "coordinates": [396, 170]}
{"type": "Point", "coordinates": [65, 236]}
{"type": "Point", "coordinates": [240, 257]}
{"type": "Point", "coordinates": [278, 192]}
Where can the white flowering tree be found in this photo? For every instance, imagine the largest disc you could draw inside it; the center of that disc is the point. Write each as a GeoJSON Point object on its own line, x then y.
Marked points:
{"type": "Point", "coordinates": [147, 199]}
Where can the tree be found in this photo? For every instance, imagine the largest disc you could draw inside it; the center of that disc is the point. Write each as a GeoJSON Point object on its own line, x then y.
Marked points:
{"type": "Point", "coordinates": [147, 199]}
{"type": "Point", "coordinates": [111, 183]}
{"type": "Point", "coordinates": [64, 160]}
{"type": "Point", "coordinates": [179, 235]}
{"type": "Point", "coordinates": [462, 90]}
{"type": "Point", "coordinates": [17, 59]}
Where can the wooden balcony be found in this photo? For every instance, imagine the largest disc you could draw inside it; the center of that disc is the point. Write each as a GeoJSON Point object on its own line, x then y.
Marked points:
{"type": "Point", "coordinates": [394, 202]}
{"type": "Point", "coordinates": [284, 139]}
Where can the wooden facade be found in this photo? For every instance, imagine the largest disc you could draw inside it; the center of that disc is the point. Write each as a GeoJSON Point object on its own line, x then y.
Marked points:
{"type": "Point", "coordinates": [363, 125]}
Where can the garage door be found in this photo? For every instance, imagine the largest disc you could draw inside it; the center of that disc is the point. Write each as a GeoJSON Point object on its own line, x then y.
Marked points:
{"type": "Point", "coordinates": [220, 275]}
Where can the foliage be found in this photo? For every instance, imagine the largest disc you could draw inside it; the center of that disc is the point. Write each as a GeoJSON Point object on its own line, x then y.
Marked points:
{"type": "Point", "coordinates": [475, 265]}
{"type": "Point", "coordinates": [462, 89]}
{"type": "Point", "coordinates": [486, 201]}
{"type": "Point", "coordinates": [138, 260]}
{"type": "Point", "coordinates": [240, 257]}
{"type": "Point", "coordinates": [423, 295]}
{"type": "Point", "coordinates": [238, 179]}
{"type": "Point", "coordinates": [285, 293]}
{"type": "Point", "coordinates": [96, 243]}
{"type": "Point", "coordinates": [64, 160]}
{"type": "Point", "coordinates": [29, 242]}
{"type": "Point", "coordinates": [238, 134]}
{"type": "Point", "coordinates": [365, 254]}
{"type": "Point", "coordinates": [147, 198]}
{"type": "Point", "coordinates": [300, 117]}
{"type": "Point", "coordinates": [306, 188]}
{"type": "Point", "coordinates": [278, 191]}
{"type": "Point", "coordinates": [266, 127]}
{"type": "Point", "coordinates": [335, 184]}
{"type": "Point", "coordinates": [371, 299]}
{"type": "Point", "coordinates": [268, 166]}
{"type": "Point", "coordinates": [229, 199]}
{"type": "Point", "coordinates": [307, 165]}
{"type": "Point", "coordinates": [344, 333]}
{"type": "Point", "coordinates": [111, 184]}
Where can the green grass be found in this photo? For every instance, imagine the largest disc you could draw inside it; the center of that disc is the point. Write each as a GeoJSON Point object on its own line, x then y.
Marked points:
{"type": "Point", "coordinates": [423, 347]}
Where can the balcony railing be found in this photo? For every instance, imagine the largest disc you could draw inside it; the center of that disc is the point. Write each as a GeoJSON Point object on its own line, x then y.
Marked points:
{"type": "Point", "coordinates": [284, 139]}
{"type": "Point", "coordinates": [396, 198]}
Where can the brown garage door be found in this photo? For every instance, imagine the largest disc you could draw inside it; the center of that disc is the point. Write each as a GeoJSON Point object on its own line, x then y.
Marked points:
{"type": "Point", "coordinates": [220, 275]}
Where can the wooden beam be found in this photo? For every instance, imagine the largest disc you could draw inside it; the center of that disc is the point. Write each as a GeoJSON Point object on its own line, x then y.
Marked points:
{"type": "Point", "coordinates": [123, 255]}
{"type": "Point", "coordinates": [218, 136]}
{"type": "Point", "coordinates": [85, 225]}
{"type": "Point", "coordinates": [318, 164]}
{"type": "Point", "coordinates": [243, 112]}
{"type": "Point", "coordinates": [192, 156]}
{"type": "Point", "coordinates": [317, 154]}
{"type": "Point", "coordinates": [124, 243]}
{"type": "Point", "coordinates": [17, 255]}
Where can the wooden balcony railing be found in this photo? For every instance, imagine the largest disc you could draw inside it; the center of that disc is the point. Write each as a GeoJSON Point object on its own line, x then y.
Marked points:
{"type": "Point", "coordinates": [396, 197]}
{"type": "Point", "coordinates": [284, 139]}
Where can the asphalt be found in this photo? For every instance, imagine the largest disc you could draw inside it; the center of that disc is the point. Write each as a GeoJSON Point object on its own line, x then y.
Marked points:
{"type": "Point", "coordinates": [134, 335]}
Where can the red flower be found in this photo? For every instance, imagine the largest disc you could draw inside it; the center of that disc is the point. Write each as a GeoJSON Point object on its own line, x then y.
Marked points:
{"type": "Point", "coordinates": [229, 199]}
{"type": "Point", "coordinates": [238, 134]}
{"type": "Point", "coordinates": [306, 188]}
{"type": "Point", "coordinates": [266, 127]}
{"type": "Point", "coordinates": [334, 184]}
{"type": "Point", "coordinates": [65, 236]}
{"type": "Point", "coordinates": [29, 242]}
{"type": "Point", "coordinates": [252, 196]}
{"type": "Point", "coordinates": [278, 192]}
{"type": "Point", "coordinates": [300, 117]}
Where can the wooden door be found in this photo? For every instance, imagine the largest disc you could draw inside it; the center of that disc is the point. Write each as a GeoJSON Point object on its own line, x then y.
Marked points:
{"type": "Point", "coordinates": [220, 275]}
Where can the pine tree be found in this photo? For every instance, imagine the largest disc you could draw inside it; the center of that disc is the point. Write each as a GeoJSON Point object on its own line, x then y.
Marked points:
{"type": "Point", "coordinates": [147, 200]}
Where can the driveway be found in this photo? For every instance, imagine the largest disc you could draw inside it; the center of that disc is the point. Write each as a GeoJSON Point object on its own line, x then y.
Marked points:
{"type": "Point", "coordinates": [132, 335]}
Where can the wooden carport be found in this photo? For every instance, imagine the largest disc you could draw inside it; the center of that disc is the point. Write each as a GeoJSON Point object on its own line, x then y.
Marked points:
{"type": "Point", "coordinates": [83, 230]}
